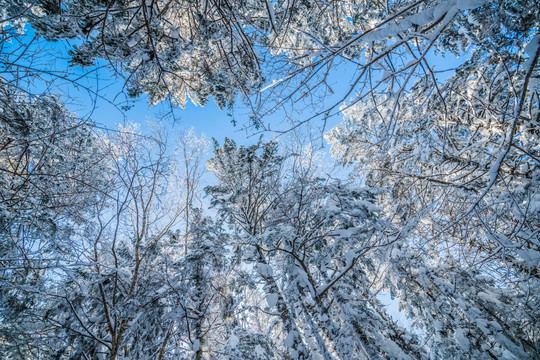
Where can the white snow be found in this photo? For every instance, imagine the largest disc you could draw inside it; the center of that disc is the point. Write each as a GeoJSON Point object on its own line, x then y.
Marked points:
{"type": "Point", "coordinates": [271, 299]}
{"type": "Point", "coordinates": [265, 270]}
{"type": "Point", "coordinates": [349, 256]}
{"type": "Point", "coordinates": [532, 46]}
{"type": "Point", "coordinates": [494, 168]}
{"type": "Point", "coordinates": [196, 345]}
{"type": "Point", "coordinates": [233, 341]}
{"type": "Point", "coordinates": [461, 337]}
{"type": "Point", "coordinates": [259, 351]}
{"type": "Point", "coordinates": [469, 4]}
{"type": "Point", "coordinates": [290, 339]}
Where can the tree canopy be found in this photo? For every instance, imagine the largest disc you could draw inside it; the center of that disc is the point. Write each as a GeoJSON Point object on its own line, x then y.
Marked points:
{"type": "Point", "coordinates": [110, 248]}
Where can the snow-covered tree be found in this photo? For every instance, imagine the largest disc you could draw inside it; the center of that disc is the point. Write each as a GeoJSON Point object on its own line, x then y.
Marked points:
{"type": "Point", "coordinates": [213, 48]}
{"type": "Point", "coordinates": [309, 243]}
{"type": "Point", "coordinates": [118, 306]}
{"type": "Point", "coordinates": [50, 163]}
{"type": "Point", "coordinates": [51, 173]}
{"type": "Point", "coordinates": [168, 49]}
{"type": "Point", "coordinates": [459, 157]}
{"type": "Point", "coordinates": [110, 291]}
{"type": "Point", "coordinates": [463, 312]}
{"type": "Point", "coordinates": [202, 291]}
{"type": "Point", "coordinates": [247, 192]}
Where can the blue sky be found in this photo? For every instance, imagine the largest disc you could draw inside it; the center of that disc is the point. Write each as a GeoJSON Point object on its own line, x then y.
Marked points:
{"type": "Point", "coordinates": [211, 121]}
{"type": "Point", "coordinates": [51, 60]}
